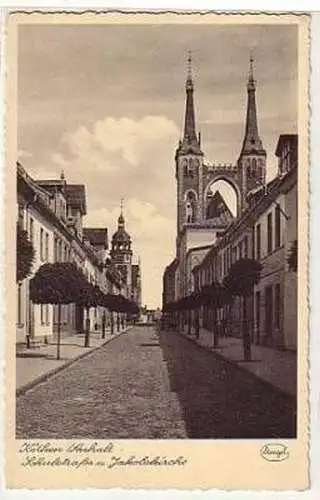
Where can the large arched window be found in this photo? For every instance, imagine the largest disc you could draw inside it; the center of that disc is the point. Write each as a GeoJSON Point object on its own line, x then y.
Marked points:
{"type": "Point", "coordinates": [254, 165]}
{"type": "Point", "coordinates": [218, 189]}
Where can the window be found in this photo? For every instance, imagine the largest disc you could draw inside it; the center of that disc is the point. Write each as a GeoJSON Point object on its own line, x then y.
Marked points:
{"type": "Point", "coordinates": [234, 255]}
{"type": "Point", "coordinates": [277, 305]}
{"type": "Point", "coordinates": [47, 247]}
{"type": "Point", "coordinates": [269, 311]}
{"type": "Point", "coordinates": [245, 245]}
{"type": "Point", "coordinates": [258, 304]}
{"type": "Point", "coordinates": [19, 305]}
{"type": "Point", "coordinates": [254, 165]}
{"type": "Point", "coordinates": [31, 230]}
{"type": "Point", "coordinates": [224, 263]}
{"type": "Point", "coordinates": [253, 243]}
{"type": "Point", "coordinates": [240, 249]}
{"type": "Point", "coordinates": [47, 314]}
{"type": "Point", "coordinates": [278, 227]}
{"type": "Point", "coordinates": [41, 244]}
{"type": "Point", "coordinates": [60, 251]}
{"type": "Point", "coordinates": [55, 251]}
{"type": "Point", "coordinates": [42, 314]}
{"type": "Point", "coordinates": [21, 215]}
{"type": "Point", "coordinates": [269, 233]}
{"type": "Point", "coordinates": [258, 241]}
{"type": "Point", "coordinates": [220, 265]}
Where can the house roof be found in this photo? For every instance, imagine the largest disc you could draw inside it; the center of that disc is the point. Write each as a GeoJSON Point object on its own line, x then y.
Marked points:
{"type": "Point", "coordinates": [173, 265]}
{"type": "Point", "coordinates": [283, 138]}
{"type": "Point", "coordinates": [219, 210]}
{"type": "Point", "coordinates": [97, 236]}
{"type": "Point", "coordinates": [199, 248]}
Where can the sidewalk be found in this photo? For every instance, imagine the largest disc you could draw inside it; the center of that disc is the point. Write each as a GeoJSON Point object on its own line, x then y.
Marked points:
{"type": "Point", "coordinates": [36, 364]}
{"type": "Point", "coordinates": [276, 367]}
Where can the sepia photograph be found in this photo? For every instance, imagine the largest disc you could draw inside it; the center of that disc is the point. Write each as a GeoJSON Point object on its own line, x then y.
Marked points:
{"type": "Point", "coordinates": [157, 232]}
{"type": "Point", "coordinates": [157, 186]}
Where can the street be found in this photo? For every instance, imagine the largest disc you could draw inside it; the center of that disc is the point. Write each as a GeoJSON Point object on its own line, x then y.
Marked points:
{"type": "Point", "coordinates": [153, 385]}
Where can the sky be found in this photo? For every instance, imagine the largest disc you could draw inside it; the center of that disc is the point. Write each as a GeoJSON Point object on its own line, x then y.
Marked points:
{"type": "Point", "coordinates": [105, 104]}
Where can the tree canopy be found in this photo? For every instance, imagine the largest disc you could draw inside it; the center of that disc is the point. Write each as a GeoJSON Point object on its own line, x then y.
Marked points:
{"type": "Point", "coordinates": [57, 283]}
{"type": "Point", "coordinates": [65, 283]}
{"type": "Point", "coordinates": [243, 275]}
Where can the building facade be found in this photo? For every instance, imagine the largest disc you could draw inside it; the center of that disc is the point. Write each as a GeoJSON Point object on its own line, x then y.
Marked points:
{"type": "Point", "coordinates": [52, 212]}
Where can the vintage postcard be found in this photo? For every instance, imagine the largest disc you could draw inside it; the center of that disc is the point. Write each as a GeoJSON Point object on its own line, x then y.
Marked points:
{"type": "Point", "coordinates": [157, 251]}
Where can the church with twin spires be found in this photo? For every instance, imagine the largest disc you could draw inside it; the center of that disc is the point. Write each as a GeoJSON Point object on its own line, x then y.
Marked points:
{"type": "Point", "coordinates": [201, 213]}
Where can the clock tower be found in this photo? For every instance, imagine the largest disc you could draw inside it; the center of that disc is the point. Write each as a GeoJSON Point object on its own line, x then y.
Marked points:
{"type": "Point", "coordinates": [121, 252]}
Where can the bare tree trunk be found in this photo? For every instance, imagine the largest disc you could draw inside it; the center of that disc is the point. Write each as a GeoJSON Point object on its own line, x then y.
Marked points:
{"type": "Point", "coordinates": [197, 323]}
{"type": "Point", "coordinates": [59, 331]}
{"type": "Point", "coordinates": [246, 332]}
{"type": "Point", "coordinates": [215, 328]}
{"type": "Point", "coordinates": [112, 323]}
{"type": "Point", "coordinates": [103, 324]}
{"type": "Point", "coordinates": [87, 332]}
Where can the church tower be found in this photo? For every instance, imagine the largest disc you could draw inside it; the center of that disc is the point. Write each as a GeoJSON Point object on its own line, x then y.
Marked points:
{"type": "Point", "coordinates": [121, 253]}
{"type": "Point", "coordinates": [189, 165]}
{"type": "Point", "coordinates": [252, 159]}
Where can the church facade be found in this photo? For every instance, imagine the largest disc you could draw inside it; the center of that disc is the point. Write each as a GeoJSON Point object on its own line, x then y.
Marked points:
{"type": "Point", "coordinates": [210, 238]}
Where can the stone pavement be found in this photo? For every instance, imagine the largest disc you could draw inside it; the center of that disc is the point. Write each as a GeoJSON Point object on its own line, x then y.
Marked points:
{"type": "Point", "coordinates": [274, 366]}
{"type": "Point", "coordinates": [36, 364]}
{"type": "Point", "coordinates": [151, 384]}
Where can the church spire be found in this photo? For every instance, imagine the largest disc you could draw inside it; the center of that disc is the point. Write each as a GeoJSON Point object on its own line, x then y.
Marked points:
{"type": "Point", "coordinates": [252, 141]}
{"type": "Point", "coordinates": [190, 136]}
{"type": "Point", "coordinates": [121, 217]}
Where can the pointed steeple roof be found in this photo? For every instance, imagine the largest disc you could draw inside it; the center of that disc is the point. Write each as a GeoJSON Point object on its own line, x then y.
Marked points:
{"type": "Point", "coordinates": [189, 123]}
{"type": "Point", "coordinates": [190, 142]}
{"type": "Point", "coordinates": [121, 217]}
{"type": "Point", "coordinates": [252, 141]}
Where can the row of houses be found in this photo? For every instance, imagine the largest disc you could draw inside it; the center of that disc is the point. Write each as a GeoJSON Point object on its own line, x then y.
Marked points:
{"type": "Point", "coordinates": [266, 232]}
{"type": "Point", "coordinates": [52, 214]}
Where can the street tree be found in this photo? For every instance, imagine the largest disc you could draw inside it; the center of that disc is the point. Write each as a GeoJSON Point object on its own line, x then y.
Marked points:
{"type": "Point", "coordinates": [88, 296]}
{"type": "Point", "coordinates": [57, 284]}
{"type": "Point", "coordinates": [243, 275]}
{"type": "Point", "coordinates": [214, 296]}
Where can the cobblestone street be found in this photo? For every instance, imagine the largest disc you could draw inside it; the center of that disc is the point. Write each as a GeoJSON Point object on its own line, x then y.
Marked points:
{"type": "Point", "coordinates": [149, 385]}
